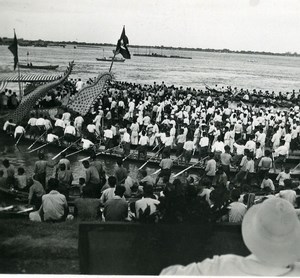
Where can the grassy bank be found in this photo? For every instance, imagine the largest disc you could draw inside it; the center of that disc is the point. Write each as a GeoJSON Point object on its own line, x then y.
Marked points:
{"type": "Point", "coordinates": [42, 248]}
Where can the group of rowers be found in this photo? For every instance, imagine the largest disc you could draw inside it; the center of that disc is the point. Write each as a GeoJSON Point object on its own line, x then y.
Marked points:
{"type": "Point", "coordinates": [190, 124]}
{"type": "Point", "coordinates": [168, 119]}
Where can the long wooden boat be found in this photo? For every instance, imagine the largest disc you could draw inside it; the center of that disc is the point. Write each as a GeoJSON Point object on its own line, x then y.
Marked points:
{"type": "Point", "coordinates": [8, 193]}
{"type": "Point", "coordinates": [44, 67]}
{"type": "Point", "coordinates": [116, 59]}
{"type": "Point", "coordinates": [117, 153]}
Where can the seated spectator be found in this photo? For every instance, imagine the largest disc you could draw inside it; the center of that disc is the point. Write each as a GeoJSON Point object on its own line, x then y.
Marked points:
{"type": "Point", "coordinates": [270, 230]}
{"type": "Point", "coordinates": [287, 193]}
{"type": "Point", "coordinates": [54, 205]}
{"type": "Point", "coordinates": [147, 202]}
{"type": "Point", "coordinates": [282, 176]}
{"type": "Point", "coordinates": [21, 179]}
{"type": "Point", "coordinates": [116, 208]}
{"type": "Point", "coordinates": [87, 208]}
{"type": "Point", "coordinates": [36, 191]}
{"type": "Point", "coordinates": [237, 209]}
{"type": "Point", "coordinates": [10, 173]}
{"type": "Point", "coordinates": [267, 183]}
{"type": "Point", "coordinates": [109, 193]}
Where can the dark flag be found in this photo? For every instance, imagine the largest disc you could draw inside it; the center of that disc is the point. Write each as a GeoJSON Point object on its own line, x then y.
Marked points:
{"type": "Point", "coordinates": [122, 45]}
{"type": "Point", "coordinates": [14, 50]}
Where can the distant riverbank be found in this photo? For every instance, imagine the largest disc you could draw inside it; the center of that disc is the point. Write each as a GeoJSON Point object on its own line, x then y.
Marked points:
{"type": "Point", "coordinates": [43, 43]}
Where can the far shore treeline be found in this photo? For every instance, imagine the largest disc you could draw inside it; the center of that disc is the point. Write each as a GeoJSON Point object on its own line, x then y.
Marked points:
{"type": "Point", "coordinates": [43, 43]}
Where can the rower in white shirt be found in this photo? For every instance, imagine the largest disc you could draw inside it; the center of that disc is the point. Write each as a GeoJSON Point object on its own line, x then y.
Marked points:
{"type": "Point", "coordinates": [126, 142]}
{"type": "Point", "coordinates": [59, 126]}
{"type": "Point", "coordinates": [51, 137]}
{"type": "Point", "coordinates": [143, 143]}
{"type": "Point", "coordinates": [19, 131]}
{"type": "Point", "coordinates": [70, 133]}
{"type": "Point", "coordinates": [86, 143]}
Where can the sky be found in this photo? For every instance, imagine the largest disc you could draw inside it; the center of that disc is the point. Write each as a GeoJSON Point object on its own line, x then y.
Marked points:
{"type": "Point", "coordinates": [258, 25]}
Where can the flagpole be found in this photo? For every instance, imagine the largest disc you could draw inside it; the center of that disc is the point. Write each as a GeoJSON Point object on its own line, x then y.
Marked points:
{"type": "Point", "coordinates": [20, 90]}
{"type": "Point", "coordinates": [112, 62]}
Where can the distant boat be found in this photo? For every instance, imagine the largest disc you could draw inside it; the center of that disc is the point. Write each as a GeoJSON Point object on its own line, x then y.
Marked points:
{"type": "Point", "coordinates": [180, 57]}
{"type": "Point", "coordinates": [155, 55]}
{"type": "Point", "coordinates": [45, 67]}
{"type": "Point", "coordinates": [109, 59]}
{"type": "Point", "coordinates": [106, 59]}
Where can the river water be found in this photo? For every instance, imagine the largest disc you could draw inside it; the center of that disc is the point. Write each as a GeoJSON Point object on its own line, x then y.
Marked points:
{"type": "Point", "coordinates": [271, 73]}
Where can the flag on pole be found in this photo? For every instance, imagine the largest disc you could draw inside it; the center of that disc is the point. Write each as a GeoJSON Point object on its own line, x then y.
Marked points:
{"type": "Point", "coordinates": [122, 45]}
{"type": "Point", "coordinates": [14, 50]}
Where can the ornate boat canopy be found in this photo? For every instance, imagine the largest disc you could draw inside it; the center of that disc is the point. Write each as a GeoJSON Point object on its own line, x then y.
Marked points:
{"type": "Point", "coordinates": [30, 77]}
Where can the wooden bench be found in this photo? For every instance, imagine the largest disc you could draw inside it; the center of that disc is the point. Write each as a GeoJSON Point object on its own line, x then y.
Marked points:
{"type": "Point", "coordinates": [145, 249]}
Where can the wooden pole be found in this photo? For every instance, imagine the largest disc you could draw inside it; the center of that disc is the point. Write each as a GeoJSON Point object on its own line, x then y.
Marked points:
{"type": "Point", "coordinates": [19, 81]}
{"type": "Point", "coordinates": [112, 62]}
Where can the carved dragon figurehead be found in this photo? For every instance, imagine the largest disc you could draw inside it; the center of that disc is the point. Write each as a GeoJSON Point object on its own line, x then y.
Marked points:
{"type": "Point", "coordinates": [89, 94]}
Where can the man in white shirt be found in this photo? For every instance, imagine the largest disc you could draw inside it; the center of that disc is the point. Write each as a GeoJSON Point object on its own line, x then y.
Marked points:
{"type": "Point", "coordinates": [78, 123]}
{"type": "Point", "coordinates": [237, 209]}
{"type": "Point", "coordinates": [51, 137]}
{"type": "Point", "coordinates": [203, 144]}
{"type": "Point", "coordinates": [126, 142]}
{"type": "Point", "coordinates": [147, 201]}
{"type": "Point", "coordinates": [19, 130]}
{"type": "Point", "coordinates": [40, 123]}
{"type": "Point", "coordinates": [54, 205]}
{"type": "Point", "coordinates": [92, 132]}
{"type": "Point", "coordinates": [280, 155]}
{"type": "Point", "coordinates": [211, 167]}
{"type": "Point", "coordinates": [70, 133]}
{"type": "Point", "coordinates": [59, 126]}
{"type": "Point", "coordinates": [86, 144]}
{"type": "Point", "coordinates": [108, 137]}
{"type": "Point", "coordinates": [143, 144]}
{"type": "Point", "coordinates": [33, 130]}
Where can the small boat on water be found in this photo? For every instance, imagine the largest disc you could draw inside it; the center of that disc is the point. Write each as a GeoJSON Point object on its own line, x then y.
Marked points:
{"type": "Point", "coordinates": [44, 67]}
{"type": "Point", "coordinates": [109, 59]}
{"type": "Point", "coordinates": [155, 55]}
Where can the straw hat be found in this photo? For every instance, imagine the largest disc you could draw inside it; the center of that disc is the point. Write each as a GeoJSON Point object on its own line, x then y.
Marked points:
{"type": "Point", "coordinates": [271, 232]}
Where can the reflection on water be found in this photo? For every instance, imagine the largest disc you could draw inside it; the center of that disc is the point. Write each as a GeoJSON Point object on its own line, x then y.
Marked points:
{"type": "Point", "coordinates": [19, 158]}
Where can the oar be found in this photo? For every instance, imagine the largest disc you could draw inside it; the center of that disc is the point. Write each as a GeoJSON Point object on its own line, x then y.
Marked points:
{"type": "Point", "coordinates": [19, 138]}
{"type": "Point", "coordinates": [184, 170]}
{"type": "Point", "coordinates": [36, 141]}
{"type": "Point", "coordinates": [156, 172]}
{"type": "Point", "coordinates": [65, 149]}
{"type": "Point", "coordinates": [82, 149]}
{"type": "Point", "coordinates": [88, 157]}
{"type": "Point", "coordinates": [150, 158]}
{"type": "Point", "coordinates": [40, 147]}
{"type": "Point", "coordinates": [127, 156]}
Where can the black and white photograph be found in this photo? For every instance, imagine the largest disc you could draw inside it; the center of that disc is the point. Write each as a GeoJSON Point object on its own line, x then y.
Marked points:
{"type": "Point", "coordinates": [150, 137]}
